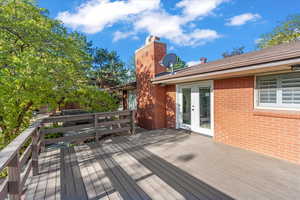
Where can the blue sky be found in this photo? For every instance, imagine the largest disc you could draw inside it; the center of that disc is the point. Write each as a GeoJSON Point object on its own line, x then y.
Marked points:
{"type": "Point", "coordinates": [191, 28]}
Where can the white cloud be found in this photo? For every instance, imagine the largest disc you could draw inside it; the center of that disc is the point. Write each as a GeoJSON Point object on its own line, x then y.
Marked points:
{"type": "Point", "coordinates": [145, 16]}
{"type": "Point", "coordinates": [118, 35]}
{"type": "Point", "coordinates": [172, 27]}
{"type": "Point", "coordinates": [198, 8]}
{"type": "Point", "coordinates": [257, 41]}
{"type": "Point", "coordinates": [171, 48]}
{"type": "Point", "coordinates": [93, 16]}
{"type": "Point", "coordinates": [194, 62]}
{"type": "Point", "coordinates": [242, 19]}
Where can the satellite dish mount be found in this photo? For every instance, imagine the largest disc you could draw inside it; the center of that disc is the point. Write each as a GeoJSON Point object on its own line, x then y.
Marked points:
{"type": "Point", "coordinates": [169, 61]}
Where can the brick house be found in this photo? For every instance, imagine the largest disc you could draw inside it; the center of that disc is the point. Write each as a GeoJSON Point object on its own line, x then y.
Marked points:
{"type": "Point", "coordinates": [251, 101]}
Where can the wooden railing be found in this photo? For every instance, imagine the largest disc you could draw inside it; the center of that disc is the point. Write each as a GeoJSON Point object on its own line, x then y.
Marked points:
{"type": "Point", "coordinates": [18, 167]}
{"type": "Point", "coordinates": [85, 126]}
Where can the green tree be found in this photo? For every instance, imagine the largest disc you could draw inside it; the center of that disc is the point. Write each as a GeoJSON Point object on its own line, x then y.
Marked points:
{"type": "Point", "coordinates": [41, 63]}
{"type": "Point", "coordinates": [131, 74]}
{"type": "Point", "coordinates": [286, 31]}
{"type": "Point", "coordinates": [180, 64]}
{"type": "Point", "coordinates": [234, 52]}
{"type": "Point", "coordinates": [108, 69]}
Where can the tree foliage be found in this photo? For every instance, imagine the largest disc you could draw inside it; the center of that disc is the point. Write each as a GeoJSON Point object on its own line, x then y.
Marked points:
{"type": "Point", "coordinates": [41, 63]}
{"type": "Point", "coordinates": [180, 64]}
{"type": "Point", "coordinates": [108, 69]}
{"type": "Point", "coordinates": [286, 31]}
{"type": "Point", "coordinates": [234, 52]}
{"type": "Point", "coordinates": [131, 73]}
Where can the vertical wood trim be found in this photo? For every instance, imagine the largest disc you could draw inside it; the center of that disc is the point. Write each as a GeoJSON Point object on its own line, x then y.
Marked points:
{"type": "Point", "coordinates": [35, 152]}
{"type": "Point", "coordinates": [132, 122]}
{"type": "Point", "coordinates": [14, 178]}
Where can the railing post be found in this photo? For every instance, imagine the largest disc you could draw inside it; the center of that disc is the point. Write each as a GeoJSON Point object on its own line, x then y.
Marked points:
{"type": "Point", "coordinates": [41, 139]}
{"type": "Point", "coordinates": [95, 127]}
{"type": "Point", "coordinates": [14, 178]}
{"type": "Point", "coordinates": [35, 153]}
{"type": "Point", "coordinates": [132, 122]}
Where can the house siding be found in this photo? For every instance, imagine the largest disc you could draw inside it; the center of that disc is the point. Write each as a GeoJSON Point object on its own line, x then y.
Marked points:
{"type": "Point", "coordinates": [237, 123]}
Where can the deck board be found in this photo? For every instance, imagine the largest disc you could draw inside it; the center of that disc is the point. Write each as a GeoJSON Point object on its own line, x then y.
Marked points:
{"type": "Point", "coordinates": [190, 187]}
{"type": "Point", "coordinates": [126, 168]}
{"type": "Point", "coordinates": [149, 182]}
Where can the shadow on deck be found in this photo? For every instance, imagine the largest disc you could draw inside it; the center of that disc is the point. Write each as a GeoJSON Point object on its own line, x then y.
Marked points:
{"type": "Point", "coordinates": [161, 164]}
{"type": "Point", "coordinates": [116, 169]}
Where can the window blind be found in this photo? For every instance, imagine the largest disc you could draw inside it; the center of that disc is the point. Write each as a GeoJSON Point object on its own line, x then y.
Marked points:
{"type": "Point", "coordinates": [267, 90]}
{"type": "Point", "coordinates": [291, 89]}
{"type": "Point", "coordinates": [281, 90]}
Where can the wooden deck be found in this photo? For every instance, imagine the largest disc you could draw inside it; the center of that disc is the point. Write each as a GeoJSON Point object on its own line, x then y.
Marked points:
{"type": "Point", "coordinates": [159, 165]}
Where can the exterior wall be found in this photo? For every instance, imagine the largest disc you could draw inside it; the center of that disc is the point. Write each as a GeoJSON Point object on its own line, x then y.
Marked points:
{"type": "Point", "coordinates": [237, 123]}
{"type": "Point", "coordinates": [150, 98]}
{"type": "Point", "coordinates": [171, 106]}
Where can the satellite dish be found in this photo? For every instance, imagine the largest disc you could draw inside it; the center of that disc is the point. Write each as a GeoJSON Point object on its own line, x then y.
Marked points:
{"type": "Point", "coordinates": [169, 60]}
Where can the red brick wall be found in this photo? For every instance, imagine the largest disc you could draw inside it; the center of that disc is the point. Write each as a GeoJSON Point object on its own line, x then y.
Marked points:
{"type": "Point", "coordinates": [170, 106]}
{"type": "Point", "coordinates": [150, 98]}
{"type": "Point", "coordinates": [237, 123]}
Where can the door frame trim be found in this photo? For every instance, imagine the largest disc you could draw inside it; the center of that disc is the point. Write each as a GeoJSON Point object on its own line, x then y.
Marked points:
{"type": "Point", "coordinates": [178, 103]}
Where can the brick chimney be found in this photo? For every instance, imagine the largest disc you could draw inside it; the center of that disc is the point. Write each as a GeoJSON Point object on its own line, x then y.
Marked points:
{"type": "Point", "coordinates": [150, 98]}
{"type": "Point", "coordinates": [203, 60]}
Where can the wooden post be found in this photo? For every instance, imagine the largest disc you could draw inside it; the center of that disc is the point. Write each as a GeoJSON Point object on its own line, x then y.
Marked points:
{"type": "Point", "coordinates": [110, 119]}
{"type": "Point", "coordinates": [132, 122]}
{"type": "Point", "coordinates": [95, 127]}
{"type": "Point", "coordinates": [14, 178]}
{"type": "Point", "coordinates": [41, 137]}
{"type": "Point", "coordinates": [119, 124]}
{"type": "Point", "coordinates": [35, 152]}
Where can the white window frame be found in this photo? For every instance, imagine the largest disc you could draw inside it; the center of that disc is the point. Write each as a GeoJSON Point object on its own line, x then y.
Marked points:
{"type": "Point", "coordinates": [272, 106]}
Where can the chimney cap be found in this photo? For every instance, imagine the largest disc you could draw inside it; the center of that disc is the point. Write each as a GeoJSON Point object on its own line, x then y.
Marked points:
{"type": "Point", "coordinates": [151, 38]}
{"type": "Point", "coordinates": [203, 60]}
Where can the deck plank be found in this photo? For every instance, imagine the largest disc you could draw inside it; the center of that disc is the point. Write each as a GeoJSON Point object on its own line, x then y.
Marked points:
{"type": "Point", "coordinates": [84, 160]}
{"type": "Point", "coordinates": [42, 184]}
{"type": "Point", "coordinates": [102, 185]}
{"type": "Point", "coordinates": [34, 182]}
{"type": "Point", "coordinates": [153, 167]}
{"type": "Point", "coordinates": [167, 177]}
{"type": "Point", "coordinates": [149, 182]}
{"type": "Point", "coordinates": [57, 177]}
{"type": "Point", "coordinates": [172, 174]}
{"type": "Point", "coordinates": [77, 178]}
{"type": "Point", "coordinates": [50, 192]}
{"type": "Point", "coordinates": [110, 172]}
{"type": "Point", "coordinates": [131, 185]}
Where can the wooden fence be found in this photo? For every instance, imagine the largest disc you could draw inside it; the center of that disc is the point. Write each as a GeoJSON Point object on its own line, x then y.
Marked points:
{"type": "Point", "coordinates": [84, 126]}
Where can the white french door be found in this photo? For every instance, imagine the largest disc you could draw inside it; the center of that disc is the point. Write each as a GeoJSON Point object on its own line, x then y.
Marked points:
{"type": "Point", "coordinates": [194, 107]}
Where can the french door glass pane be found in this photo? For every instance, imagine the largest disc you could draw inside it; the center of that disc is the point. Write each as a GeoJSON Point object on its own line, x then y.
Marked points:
{"type": "Point", "coordinates": [204, 98]}
{"type": "Point", "coordinates": [186, 105]}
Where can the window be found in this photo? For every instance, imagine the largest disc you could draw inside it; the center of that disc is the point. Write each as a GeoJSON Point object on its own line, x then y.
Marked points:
{"type": "Point", "coordinates": [132, 100]}
{"type": "Point", "coordinates": [282, 91]}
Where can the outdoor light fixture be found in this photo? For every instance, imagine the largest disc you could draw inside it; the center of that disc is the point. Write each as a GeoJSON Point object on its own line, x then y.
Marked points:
{"type": "Point", "coordinates": [296, 67]}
